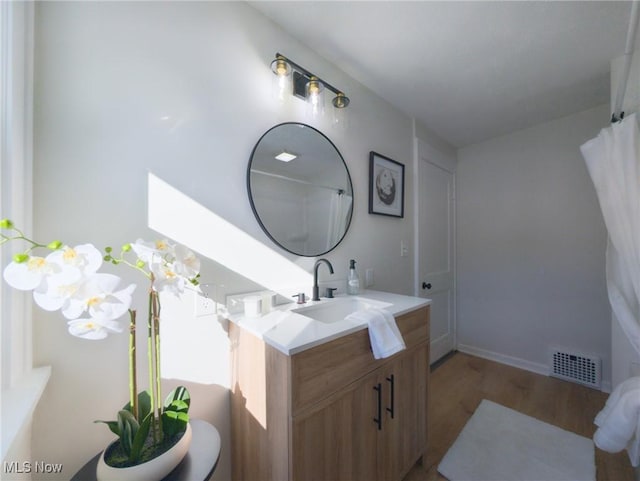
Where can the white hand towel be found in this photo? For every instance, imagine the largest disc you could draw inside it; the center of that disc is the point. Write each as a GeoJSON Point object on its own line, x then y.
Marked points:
{"type": "Point", "coordinates": [619, 421]}
{"type": "Point", "coordinates": [384, 334]}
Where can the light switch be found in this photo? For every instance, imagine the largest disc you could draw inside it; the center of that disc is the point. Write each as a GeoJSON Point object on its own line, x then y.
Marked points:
{"type": "Point", "coordinates": [368, 278]}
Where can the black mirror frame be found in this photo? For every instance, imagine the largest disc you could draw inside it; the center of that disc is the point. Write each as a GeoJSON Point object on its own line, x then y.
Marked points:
{"type": "Point", "coordinates": [253, 206]}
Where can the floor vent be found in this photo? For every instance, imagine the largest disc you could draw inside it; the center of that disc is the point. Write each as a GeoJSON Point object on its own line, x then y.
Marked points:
{"type": "Point", "coordinates": [576, 367]}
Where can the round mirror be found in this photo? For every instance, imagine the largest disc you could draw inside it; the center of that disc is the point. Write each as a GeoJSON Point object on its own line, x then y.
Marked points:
{"type": "Point", "coordinates": [300, 189]}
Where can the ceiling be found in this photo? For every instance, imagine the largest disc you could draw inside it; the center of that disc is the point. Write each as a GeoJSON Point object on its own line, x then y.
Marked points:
{"type": "Point", "coordinates": [468, 71]}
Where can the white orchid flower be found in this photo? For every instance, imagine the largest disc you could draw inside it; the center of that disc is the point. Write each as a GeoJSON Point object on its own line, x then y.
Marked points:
{"type": "Point", "coordinates": [187, 263]}
{"type": "Point", "coordinates": [29, 274]}
{"type": "Point", "coordinates": [84, 257]}
{"type": "Point", "coordinates": [166, 279]}
{"type": "Point", "coordinates": [56, 289]}
{"type": "Point", "coordinates": [93, 329]}
{"type": "Point", "coordinates": [148, 252]}
{"type": "Point", "coordinates": [97, 295]}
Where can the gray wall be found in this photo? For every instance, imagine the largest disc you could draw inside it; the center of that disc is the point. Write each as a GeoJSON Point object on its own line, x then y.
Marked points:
{"type": "Point", "coordinates": [531, 244]}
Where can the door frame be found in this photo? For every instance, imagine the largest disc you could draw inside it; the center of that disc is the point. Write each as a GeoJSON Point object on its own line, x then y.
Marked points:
{"type": "Point", "coordinates": [422, 150]}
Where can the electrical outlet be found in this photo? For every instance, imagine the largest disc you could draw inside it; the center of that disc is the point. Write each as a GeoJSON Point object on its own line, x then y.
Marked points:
{"type": "Point", "coordinates": [204, 306]}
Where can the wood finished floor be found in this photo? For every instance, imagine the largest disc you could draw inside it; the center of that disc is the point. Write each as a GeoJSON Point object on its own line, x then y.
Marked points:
{"type": "Point", "coordinates": [459, 384]}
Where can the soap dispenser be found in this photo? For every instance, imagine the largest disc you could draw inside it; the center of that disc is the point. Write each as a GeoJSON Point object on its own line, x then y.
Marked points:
{"type": "Point", "coordinates": [353, 282]}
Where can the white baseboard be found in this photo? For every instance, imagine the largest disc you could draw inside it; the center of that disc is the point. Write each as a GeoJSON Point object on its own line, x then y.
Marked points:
{"type": "Point", "coordinates": [504, 359]}
{"type": "Point", "coordinates": [538, 368]}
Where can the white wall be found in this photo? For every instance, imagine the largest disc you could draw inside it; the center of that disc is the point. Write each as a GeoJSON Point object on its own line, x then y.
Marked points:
{"type": "Point", "coordinates": [183, 91]}
{"type": "Point", "coordinates": [531, 244]}
{"type": "Point", "coordinates": [631, 99]}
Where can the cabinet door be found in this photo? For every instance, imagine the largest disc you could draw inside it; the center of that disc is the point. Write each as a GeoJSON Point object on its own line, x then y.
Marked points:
{"type": "Point", "coordinates": [376, 429]}
{"type": "Point", "coordinates": [339, 440]}
{"type": "Point", "coordinates": [404, 435]}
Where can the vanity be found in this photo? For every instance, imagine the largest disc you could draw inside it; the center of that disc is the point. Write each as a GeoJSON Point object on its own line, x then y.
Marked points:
{"type": "Point", "coordinates": [310, 402]}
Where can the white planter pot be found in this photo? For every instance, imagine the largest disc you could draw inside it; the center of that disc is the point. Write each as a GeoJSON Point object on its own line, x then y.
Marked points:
{"type": "Point", "coordinates": [153, 470]}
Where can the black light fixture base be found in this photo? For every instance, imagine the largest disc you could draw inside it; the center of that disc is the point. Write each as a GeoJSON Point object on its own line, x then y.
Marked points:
{"type": "Point", "coordinates": [299, 85]}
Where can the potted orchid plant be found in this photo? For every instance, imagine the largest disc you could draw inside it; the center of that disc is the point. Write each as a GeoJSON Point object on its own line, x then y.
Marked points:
{"type": "Point", "coordinates": [67, 279]}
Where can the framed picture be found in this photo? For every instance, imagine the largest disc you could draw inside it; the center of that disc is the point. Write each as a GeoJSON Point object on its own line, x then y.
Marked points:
{"type": "Point", "coordinates": [386, 186]}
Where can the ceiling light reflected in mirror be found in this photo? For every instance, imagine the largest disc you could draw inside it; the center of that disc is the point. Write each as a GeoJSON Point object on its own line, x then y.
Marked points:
{"type": "Point", "coordinates": [286, 156]}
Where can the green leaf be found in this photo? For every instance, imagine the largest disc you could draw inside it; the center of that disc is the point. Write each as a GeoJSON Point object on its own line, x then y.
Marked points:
{"type": "Point", "coordinates": [113, 426]}
{"type": "Point", "coordinates": [180, 417]}
{"type": "Point", "coordinates": [178, 394]}
{"type": "Point", "coordinates": [144, 404]}
{"type": "Point", "coordinates": [128, 428]}
{"type": "Point", "coordinates": [174, 422]}
{"type": "Point", "coordinates": [140, 438]}
{"type": "Point", "coordinates": [126, 439]}
{"type": "Point", "coordinates": [120, 421]}
{"type": "Point", "coordinates": [177, 406]}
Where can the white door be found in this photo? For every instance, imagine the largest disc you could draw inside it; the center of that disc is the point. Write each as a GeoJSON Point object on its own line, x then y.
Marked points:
{"type": "Point", "coordinates": [436, 244]}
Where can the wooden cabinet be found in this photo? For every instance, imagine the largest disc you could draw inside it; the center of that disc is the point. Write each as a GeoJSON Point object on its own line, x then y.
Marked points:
{"type": "Point", "coordinates": [331, 412]}
{"type": "Point", "coordinates": [372, 429]}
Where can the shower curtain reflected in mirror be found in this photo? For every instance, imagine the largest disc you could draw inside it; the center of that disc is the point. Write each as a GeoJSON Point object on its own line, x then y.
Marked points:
{"type": "Point", "coordinates": [613, 161]}
{"type": "Point", "coordinates": [339, 218]}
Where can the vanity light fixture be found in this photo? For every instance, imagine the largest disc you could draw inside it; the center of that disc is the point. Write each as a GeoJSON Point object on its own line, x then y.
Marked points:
{"type": "Point", "coordinates": [286, 156]}
{"type": "Point", "coordinates": [308, 87]}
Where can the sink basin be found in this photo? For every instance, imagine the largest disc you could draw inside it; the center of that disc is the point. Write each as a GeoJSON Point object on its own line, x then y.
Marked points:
{"type": "Point", "coordinates": [335, 310]}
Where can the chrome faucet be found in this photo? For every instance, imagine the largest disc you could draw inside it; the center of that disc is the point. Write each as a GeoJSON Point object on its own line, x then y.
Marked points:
{"type": "Point", "coordinates": [316, 289]}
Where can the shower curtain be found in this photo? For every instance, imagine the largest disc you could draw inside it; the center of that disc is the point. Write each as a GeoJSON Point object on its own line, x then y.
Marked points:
{"type": "Point", "coordinates": [338, 216]}
{"type": "Point", "coordinates": [613, 161]}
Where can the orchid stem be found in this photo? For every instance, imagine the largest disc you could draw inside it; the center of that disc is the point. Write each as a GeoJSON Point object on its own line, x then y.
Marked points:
{"type": "Point", "coordinates": [158, 385]}
{"type": "Point", "coordinates": [133, 375]}
{"type": "Point", "coordinates": [150, 344]}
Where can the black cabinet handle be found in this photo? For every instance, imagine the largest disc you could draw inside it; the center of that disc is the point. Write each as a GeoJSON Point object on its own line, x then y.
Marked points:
{"type": "Point", "coordinates": [378, 420]}
{"type": "Point", "coordinates": [426, 285]}
{"type": "Point", "coordinates": [391, 380]}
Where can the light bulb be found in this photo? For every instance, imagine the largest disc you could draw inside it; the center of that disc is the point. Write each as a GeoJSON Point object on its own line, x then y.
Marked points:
{"type": "Point", "coordinates": [340, 103]}
{"type": "Point", "coordinates": [315, 100]}
{"type": "Point", "coordinates": [282, 78]}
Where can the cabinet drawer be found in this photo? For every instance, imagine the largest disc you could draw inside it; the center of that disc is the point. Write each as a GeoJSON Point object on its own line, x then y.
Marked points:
{"type": "Point", "coordinates": [320, 371]}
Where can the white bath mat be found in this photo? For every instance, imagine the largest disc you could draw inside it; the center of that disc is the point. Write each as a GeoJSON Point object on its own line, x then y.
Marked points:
{"type": "Point", "coordinates": [499, 444]}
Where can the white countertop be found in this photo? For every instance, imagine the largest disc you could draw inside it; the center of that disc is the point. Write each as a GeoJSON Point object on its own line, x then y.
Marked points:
{"type": "Point", "coordinates": [291, 332]}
